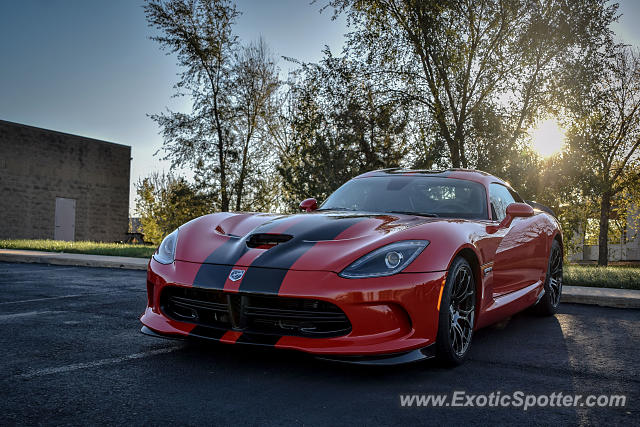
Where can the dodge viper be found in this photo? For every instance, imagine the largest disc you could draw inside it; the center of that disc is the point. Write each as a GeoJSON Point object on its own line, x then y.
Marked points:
{"type": "Point", "coordinates": [395, 266]}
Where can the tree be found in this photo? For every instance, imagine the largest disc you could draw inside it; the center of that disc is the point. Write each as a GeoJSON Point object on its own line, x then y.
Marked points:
{"type": "Point", "coordinates": [229, 87]}
{"type": "Point", "coordinates": [255, 84]}
{"type": "Point", "coordinates": [340, 126]}
{"type": "Point", "coordinates": [165, 202]}
{"type": "Point", "coordinates": [603, 114]}
{"type": "Point", "coordinates": [199, 32]}
{"type": "Point", "coordinates": [493, 150]}
{"type": "Point", "coordinates": [458, 57]}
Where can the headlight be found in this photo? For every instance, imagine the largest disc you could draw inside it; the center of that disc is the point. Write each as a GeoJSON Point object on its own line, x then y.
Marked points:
{"type": "Point", "coordinates": [166, 252]}
{"type": "Point", "coordinates": [385, 261]}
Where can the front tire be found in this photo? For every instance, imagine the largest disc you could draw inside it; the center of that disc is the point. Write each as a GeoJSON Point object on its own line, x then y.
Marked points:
{"type": "Point", "coordinates": [548, 304]}
{"type": "Point", "coordinates": [457, 314]}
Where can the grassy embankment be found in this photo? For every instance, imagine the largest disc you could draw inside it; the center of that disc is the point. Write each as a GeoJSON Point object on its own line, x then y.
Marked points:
{"type": "Point", "coordinates": [92, 248]}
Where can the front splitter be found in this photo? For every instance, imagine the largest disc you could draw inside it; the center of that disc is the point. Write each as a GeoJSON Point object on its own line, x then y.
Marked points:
{"type": "Point", "coordinates": [412, 356]}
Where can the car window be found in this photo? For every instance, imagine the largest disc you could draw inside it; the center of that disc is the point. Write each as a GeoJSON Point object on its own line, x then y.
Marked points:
{"type": "Point", "coordinates": [500, 198]}
{"type": "Point", "coordinates": [439, 196]}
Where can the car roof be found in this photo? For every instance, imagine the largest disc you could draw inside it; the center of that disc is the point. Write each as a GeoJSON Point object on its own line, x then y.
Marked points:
{"type": "Point", "coordinates": [458, 173]}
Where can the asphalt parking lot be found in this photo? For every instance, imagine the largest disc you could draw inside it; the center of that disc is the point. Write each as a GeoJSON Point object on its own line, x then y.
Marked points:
{"type": "Point", "coordinates": [72, 354]}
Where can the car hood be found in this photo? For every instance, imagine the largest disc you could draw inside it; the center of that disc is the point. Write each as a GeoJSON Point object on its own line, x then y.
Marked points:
{"type": "Point", "coordinates": [321, 240]}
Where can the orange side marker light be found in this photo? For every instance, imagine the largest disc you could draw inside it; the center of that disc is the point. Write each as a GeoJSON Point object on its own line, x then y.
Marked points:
{"type": "Point", "coordinates": [441, 289]}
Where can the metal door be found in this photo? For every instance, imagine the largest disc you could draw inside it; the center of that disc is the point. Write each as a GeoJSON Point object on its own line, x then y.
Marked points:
{"type": "Point", "coordinates": [65, 219]}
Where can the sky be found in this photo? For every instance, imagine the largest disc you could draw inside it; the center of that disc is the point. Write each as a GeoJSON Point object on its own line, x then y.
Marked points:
{"type": "Point", "coordinates": [88, 67]}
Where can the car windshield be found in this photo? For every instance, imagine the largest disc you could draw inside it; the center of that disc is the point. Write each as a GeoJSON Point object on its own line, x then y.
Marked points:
{"type": "Point", "coordinates": [421, 195]}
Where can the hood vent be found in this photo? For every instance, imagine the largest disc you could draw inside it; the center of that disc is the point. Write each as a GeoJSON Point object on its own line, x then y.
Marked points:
{"type": "Point", "coordinates": [267, 240]}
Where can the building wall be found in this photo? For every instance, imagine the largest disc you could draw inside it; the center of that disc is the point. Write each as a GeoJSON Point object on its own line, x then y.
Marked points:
{"type": "Point", "coordinates": [627, 251]}
{"type": "Point", "coordinates": [38, 165]}
{"type": "Point", "coordinates": [617, 252]}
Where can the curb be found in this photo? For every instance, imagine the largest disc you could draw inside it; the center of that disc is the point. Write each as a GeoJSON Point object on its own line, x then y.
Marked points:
{"type": "Point", "coordinates": [605, 297]}
{"type": "Point", "coordinates": [81, 260]}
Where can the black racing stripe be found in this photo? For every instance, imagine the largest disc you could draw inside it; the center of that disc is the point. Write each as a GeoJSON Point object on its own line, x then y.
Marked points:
{"type": "Point", "coordinates": [263, 280]}
{"type": "Point", "coordinates": [260, 339]}
{"type": "Point", "coordinates": [228, 253]}
{"type": "Point", "coordinates": [260, 278]}
{"type": "Point", "coordinates": [212, 276]}
{"type": "Point", "coordinates": [216, 268]}
{"type": "Point", "coordinates": [305, 233]}
{"type": "Point", "coordinates": [331, 227]}
{"type": "Point", "coordinates": [208, 333]}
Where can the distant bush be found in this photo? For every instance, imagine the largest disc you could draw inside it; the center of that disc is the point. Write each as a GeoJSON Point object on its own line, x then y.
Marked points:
{"type": "Point", "coordinates": [165, 202]}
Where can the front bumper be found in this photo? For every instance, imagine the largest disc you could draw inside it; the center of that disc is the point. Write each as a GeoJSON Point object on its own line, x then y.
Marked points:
{"type": "Point", "coordinates": [393, 318]}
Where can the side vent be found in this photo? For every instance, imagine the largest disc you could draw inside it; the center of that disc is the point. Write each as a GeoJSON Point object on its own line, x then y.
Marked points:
{"type": "Point", "coordinates": [266, 240]}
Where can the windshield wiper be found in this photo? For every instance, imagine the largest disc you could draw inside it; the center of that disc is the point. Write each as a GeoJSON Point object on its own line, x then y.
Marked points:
{"type": "Point", "coordinates": [430, 215]}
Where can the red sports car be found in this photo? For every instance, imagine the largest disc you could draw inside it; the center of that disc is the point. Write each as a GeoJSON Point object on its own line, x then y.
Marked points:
{"type": "Point", "coordinates": [395, 266]}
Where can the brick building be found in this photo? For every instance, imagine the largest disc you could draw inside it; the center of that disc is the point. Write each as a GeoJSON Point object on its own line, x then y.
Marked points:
{"type": "Point", "coordinates": [59, 186]}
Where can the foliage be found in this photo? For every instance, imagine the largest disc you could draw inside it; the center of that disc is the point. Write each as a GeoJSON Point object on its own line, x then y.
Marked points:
{"type": "Point", "coordinates": [82, 247]}
{"type": "Point", "coordinates": [255, 83]}
{"type": "Point", "coordinates": [603, 114]}
{"type": "Point", "coordinates": [619, 277]}
{"type": "Point", "coordinates": [229, 87]}
{"type": "Point", "coordinates": [165, 202]}
{"type": "Point", "coordinates": [474, 61]}
{"type": "Point", "coordinates": [340, 126]}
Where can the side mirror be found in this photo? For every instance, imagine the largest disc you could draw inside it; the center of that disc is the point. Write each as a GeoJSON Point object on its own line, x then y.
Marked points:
{"type": "Point", "coordinates": [309, 205]}
{"type": "Point", "coordinates": [514, 210]}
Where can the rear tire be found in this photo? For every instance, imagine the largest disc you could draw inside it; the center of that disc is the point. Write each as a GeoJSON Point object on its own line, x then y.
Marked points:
{"type": "Point", "coordinates": [457, 314]}
{"type": "Point", "coordinates": [548, 304]}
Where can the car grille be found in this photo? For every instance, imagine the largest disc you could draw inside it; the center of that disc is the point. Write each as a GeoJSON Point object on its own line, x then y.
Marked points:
{"type": "Point", "coordinates": [253, 313]}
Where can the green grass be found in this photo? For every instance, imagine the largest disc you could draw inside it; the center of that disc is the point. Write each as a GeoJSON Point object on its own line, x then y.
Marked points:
{"type": "Point", "coordinates": [620, 277]}
{"type": "Point", "coordinates": [92, 248]}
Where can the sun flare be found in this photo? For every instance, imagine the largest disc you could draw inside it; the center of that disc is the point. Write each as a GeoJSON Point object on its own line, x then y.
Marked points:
{"type": "Point", "coordinates": [547, 137]}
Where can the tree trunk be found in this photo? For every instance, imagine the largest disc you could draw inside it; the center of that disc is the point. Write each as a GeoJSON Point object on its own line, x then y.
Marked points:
{"type": "Point", "coordinates": [454, 151]}
{"type": "Point", "coordinates": [224, 197]}
{"type": "Point", "coordinates": [243, 173]}
{"type": "Point", "coordinates": [458, 157]}
{"type": "Point", "coordinates": [603, 236]}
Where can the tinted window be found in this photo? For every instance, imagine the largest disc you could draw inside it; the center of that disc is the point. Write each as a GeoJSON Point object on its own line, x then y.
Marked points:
{"type": "Point", "coordinates": [500, 198]}
{"type": "Point", "coordinates": [516, 196]}
{"type": "Point", "coordinates": [444, 197]}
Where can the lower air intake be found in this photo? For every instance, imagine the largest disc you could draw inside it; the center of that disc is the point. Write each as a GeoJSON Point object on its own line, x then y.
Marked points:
{"type": "Point", "coordinates": [253, 313]}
